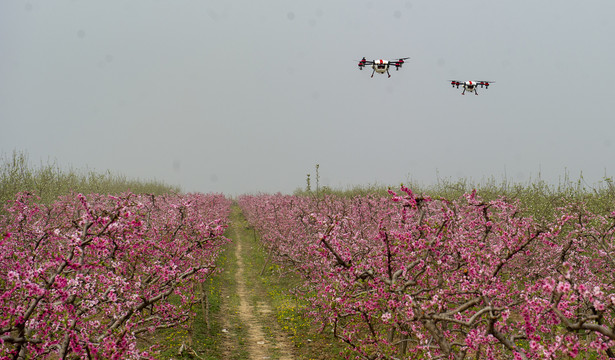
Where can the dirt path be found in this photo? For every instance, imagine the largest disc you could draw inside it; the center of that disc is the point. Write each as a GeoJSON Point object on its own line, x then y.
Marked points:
{"type": "Point", "coordinates": [251, 323]}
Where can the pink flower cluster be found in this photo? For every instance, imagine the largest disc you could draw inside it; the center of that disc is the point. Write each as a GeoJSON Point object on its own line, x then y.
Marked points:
{"type": "Point", "coordinates": [87, 276]}
{"type": "Point", "coordinates": [412, 276]}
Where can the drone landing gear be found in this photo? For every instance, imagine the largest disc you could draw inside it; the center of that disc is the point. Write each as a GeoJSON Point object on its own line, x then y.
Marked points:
{"type": "Point", "coordinates": [373, 72]}
{"type": "Point", "coordinates": [388, 73]}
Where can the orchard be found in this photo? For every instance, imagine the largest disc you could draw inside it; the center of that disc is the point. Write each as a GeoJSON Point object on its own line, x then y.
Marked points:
{"type": "Point", "coordinates": [91, 276]}
{"type": "Point", "coordinates": [403, 276]}
{"type": "Point", "coordinates": [409, 276]}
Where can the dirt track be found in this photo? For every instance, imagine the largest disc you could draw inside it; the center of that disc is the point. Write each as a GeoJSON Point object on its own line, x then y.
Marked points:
{"type": "Point", "coordinates": [247, 315]}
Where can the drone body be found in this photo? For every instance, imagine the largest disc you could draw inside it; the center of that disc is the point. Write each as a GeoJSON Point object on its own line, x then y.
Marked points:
{"type": "Point", "coordinates": [471, 85]}
{"type": "Point", "coordinates": [381, 66]}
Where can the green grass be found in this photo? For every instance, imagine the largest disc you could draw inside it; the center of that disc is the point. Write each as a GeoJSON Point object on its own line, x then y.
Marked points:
{"type": "Point", "coordinates": [538, 198]}
{"type": "Point", "coordinates": [48, 181]}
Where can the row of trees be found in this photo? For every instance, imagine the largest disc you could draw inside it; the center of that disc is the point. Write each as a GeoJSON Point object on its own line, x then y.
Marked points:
{"type": "Point", "coordinates": [414, 277]}
{"type": "Point", "coordinates": [90, 276]}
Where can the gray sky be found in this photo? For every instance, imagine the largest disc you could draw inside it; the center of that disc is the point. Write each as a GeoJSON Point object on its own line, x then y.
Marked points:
{"type": "Point", "coordinates": [248, 96]}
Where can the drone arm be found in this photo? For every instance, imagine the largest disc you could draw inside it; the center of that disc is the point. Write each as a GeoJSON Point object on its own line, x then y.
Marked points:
{"type": "Point", "coordinates": [485, 83]}
{"type": "Point", "coordinates": [362, 63]}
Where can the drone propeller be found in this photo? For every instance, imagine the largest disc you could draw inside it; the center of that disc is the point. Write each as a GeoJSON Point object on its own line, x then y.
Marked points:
{"type": "Point", "coordinates": [399, 62]}
{"type": "Point", "coordinates": [485, 83]}
{"type": "Point", "coordinates": [363, 62]}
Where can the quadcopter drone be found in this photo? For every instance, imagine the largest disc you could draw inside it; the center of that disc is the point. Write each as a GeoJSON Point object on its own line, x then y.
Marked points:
{"type": "Point", "coordinates": [381, 66]}
{"type": "Point", "coordinates": [471, 85]}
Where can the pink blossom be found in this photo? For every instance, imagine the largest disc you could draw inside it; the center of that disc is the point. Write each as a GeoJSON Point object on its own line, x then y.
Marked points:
{"type": "Point", "coordinates": [12, 276]}
{"type": "Point", "coordinates": [386, 317]}
{"type": "Point", "coordinates": [563, 287]}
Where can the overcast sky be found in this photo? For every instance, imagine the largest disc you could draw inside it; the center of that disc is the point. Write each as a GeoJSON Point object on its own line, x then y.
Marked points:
{"type": "Point", "coordinates": [248, 96]}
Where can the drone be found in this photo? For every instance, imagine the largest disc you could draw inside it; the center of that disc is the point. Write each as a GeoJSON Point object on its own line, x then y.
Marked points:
{"type": "Point", "coordinates": [471, 85]}
{"type": "Point", "coordinates": [381, 66]}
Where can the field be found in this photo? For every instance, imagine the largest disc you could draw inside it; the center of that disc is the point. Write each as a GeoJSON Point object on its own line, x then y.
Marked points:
{"type": "Point", "coordinates": [456, 271]}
